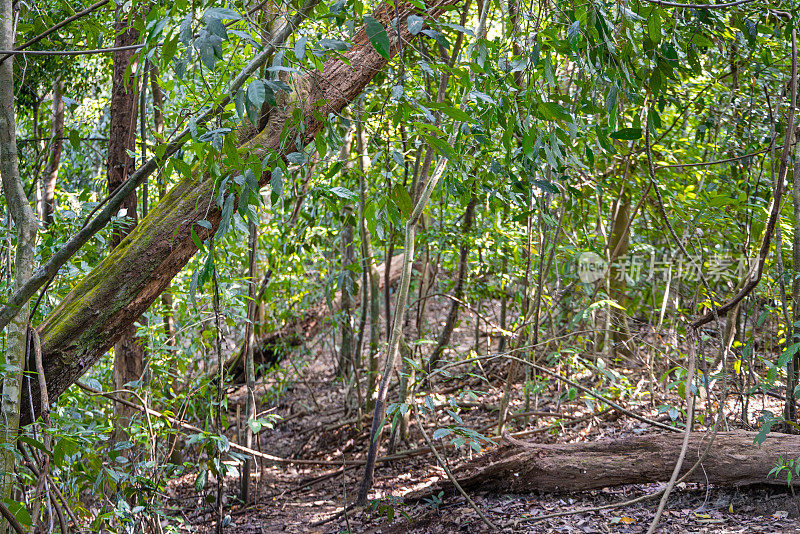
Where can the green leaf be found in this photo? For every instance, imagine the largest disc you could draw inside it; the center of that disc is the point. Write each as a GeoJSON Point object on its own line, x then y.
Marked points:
{"type": "Point", "coordinates": [64, 447]}
{"type": "Point", "coordinates": [415, 24]}
{"type": "Point", "coordinates": [227, 212]}
{"type": "Point", "coordinates": [443, 148]}
{"type": "Point", "coordinates": [276, 180]}
{"type": "Point", "coordinates": [169, 48]}
{"type": "Point", "coordinates": [787, 354]}
{"type": "Point", "coordinates": [300, 48]}
{"type": "Point", "coordinates": [376, 34]}
{"type": "Point", "coordinates": [255, 426]}
{"type": "Point", "coordinates": [552, 111]}
{"type": "Point", "coordinates": [654, 26]}
{"type": "Point", "coordinates": [196, 239]}
{"type": "Point", "coordinates": [611, 98]}
{"type": "Point", "coordinates": [334, 44]}
{"type": "Point", "coordinates": [545, 185]}
{"type": "Point", "coordinates": [200, 481]}
{"type": "Point", "coordinates": [256, 93]}
{"type": "Point", "coordinates": [441, 432]}
{"type": "Point", "coordinates": [220, 13]}
{"type": "Point", "coordinates": [656, 81]}
{"type": "Point", "coordinates": [574, 32]}
{"type": "Point", "coordinates": [74, 138]}
{"type": "Point", "coordinates": [630, 15]}
{"type": "Point", "coordinates": [450, 111]}
{"type": "Point", "coordinates": [402, 200]}
{"type": "Point", "coordinates": [628, 134]}
{"type": "Point", "coordinates": [343, 192]}
{"type": "Point", "coordinates": [20, 512]}
{"type": "Point", "coordinates": [35, 444]}
{"type": "Point", "coordinates": [765, 429]}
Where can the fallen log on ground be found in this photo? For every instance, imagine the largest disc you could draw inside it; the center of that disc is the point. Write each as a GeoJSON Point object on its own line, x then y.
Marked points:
{"type": "Point", "coordinates": [271, 348]}
{"type": "Point", "coordinates": [733, 460]}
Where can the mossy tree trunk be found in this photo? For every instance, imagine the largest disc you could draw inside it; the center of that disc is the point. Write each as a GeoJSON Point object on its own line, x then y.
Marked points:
{"type": "Point", "coordinates": [93, 316]}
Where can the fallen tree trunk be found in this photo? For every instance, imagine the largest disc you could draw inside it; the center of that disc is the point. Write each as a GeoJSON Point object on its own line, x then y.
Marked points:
{"type": "Point", "coordinates": [120, 289]}
{"type": "Point", "coordinates": [733, 460]}
{"type": "Point", "coordinates": [270, 348]}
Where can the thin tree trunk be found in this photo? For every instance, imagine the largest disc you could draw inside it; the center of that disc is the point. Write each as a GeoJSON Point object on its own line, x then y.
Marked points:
{"type": "Point", "coordinates": [128, 352]}
{"type": "Point", "coordinates": [793, 370]}
{"type": "Point", "coordinates": [618, 246]}
{"type": "Point", "coordinates": [458, 291]}
{"type": "Point", "coordinates": [501, 344]}
{"type": "Point", "coordinates": [54, 159]}
{"type": "Point", "coordinates": [397, 329]}
{"type": "Point", "coordinates": [347, 361]}
{"type": "Point", "coordinates": [371, 276]}
{"type": "Point", "coordinates": [249, 365]}
{"type": "Point", "coordinates": [513, 366]}
{"type": "Point", "coordinates": [158, 121]}
{"type": "Point", "coordinates": [22, 214]}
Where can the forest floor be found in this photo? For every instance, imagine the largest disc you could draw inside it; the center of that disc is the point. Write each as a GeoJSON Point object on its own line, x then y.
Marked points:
{"type": "Point", "coordinates": [302, 498]}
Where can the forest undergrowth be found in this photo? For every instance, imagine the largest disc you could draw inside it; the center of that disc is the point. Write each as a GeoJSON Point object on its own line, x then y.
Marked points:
{"type": "Point", "coordinates": [408, 494]}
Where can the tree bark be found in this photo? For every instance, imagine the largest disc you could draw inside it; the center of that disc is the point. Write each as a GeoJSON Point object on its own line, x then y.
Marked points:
{"type": "Point", "coordinates": [128, 352]}
{"type": "Point", "coordinates": [158, 123]}
{"type": "Point", "coordinates": [54, 159]}
{"type": "Point", "coordinates": [347, 363]}
{"type": "Point", "coordinates": [24, 257]}
{"type": "Point", "coordinates": [90, 319]}
{"type": "Point", "coordinates": [617, 248]}
{"type": "Point", "coordinates": [733, 460]}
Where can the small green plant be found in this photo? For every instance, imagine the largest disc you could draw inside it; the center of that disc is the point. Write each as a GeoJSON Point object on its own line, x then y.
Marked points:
{"type": "Point", "coordinates": [791, 466]}
{"type": "Point", "coordinates": [434, 501]}
{"type": "Point", "coordinates": [388, 507]}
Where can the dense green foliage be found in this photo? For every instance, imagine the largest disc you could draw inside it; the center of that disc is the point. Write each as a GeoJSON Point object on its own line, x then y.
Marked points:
{"type": "Point", "coordinates": [554, 118]}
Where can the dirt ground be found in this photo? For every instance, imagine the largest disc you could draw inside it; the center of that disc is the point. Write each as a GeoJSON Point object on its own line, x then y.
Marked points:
{"type": "Point", "coordinates": [315, 426]}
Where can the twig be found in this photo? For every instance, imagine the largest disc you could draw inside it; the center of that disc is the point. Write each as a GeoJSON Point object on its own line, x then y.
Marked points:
{"type": "Point", "coordinates": [686, 435]}
{"type": "Point", "coordinates": [57, 27]}
{"type": "Point", "coordinates": [187, 426]}
{"type": "Point", "coordinates": [449, 473]}
{"type": "Point", "coordinates": [700, 6]}
{"type": "Point", "coordinates": [71, 52]}
{"type": "Point", "coordinates": [592, 393]}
